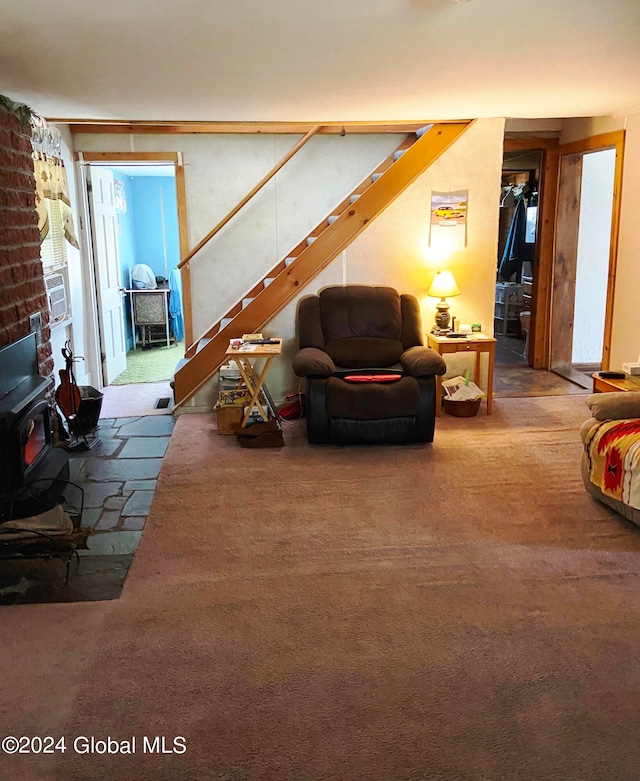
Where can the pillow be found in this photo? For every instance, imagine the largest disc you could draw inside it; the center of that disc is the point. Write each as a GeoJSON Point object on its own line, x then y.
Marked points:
{"type": "Point", "coordinates": [312, 362]}
{"type": "Point", "coordinates": [422, 361]}
{"type": "Point", "coordinates": [614, 406]}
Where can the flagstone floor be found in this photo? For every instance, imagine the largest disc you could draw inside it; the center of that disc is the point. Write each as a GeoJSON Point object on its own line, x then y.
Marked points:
{"type": "Point", "coordinates": [118, 476]}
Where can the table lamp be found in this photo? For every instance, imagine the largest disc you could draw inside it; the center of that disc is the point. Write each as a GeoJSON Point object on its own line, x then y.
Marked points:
{"type": "Point", "coordinates": [443, 287]}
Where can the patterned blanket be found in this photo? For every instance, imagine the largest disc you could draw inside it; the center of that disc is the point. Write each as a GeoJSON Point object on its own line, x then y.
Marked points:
{"type": "Point", "coordinates": [613, 450]}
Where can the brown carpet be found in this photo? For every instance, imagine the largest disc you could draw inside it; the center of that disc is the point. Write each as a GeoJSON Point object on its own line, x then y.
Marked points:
{"type": "Point", "coordinates": [459, 611]}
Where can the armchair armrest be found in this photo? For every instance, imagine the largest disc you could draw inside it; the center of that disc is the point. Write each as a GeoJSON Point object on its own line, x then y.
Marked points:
{"type": "Point", "coordinates": [313, 362]}
{"type": "Point", "coordinates": [422, 361]}
{"type": "Point", "coordinates": [614, 406]}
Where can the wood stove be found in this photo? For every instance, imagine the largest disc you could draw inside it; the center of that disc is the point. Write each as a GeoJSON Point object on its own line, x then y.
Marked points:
{"type": "Point", "coordinates": [26, 451]}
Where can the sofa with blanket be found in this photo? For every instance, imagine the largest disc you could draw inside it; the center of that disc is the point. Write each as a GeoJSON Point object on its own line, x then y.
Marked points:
{"type": "Point", "coordinates": [369, 378]}
{"type": "Point", "coordinates": [611, 457]}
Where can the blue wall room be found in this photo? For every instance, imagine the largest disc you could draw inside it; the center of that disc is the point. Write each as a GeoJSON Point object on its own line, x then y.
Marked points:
{"type": "Point", "coordinates": [147, 236]}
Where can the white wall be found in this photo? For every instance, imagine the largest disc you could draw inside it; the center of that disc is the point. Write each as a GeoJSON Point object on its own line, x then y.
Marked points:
{"type": "Point", "coordinates": [578, 128]}
{"type": "Point", "coordinates": [594, 239]}
{"type": "Point", "coordinates": [220, 170]}
{"type": "Point", "coordinates": [77, 330]}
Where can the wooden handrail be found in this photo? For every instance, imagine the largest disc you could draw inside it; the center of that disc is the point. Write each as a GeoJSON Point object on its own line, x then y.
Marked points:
{"type": "Point", "coordinates": [250, 195]}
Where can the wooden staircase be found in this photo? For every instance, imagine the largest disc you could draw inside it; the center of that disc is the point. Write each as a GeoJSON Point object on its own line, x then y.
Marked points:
{"type": "Point", "coordinates": [285, 280]}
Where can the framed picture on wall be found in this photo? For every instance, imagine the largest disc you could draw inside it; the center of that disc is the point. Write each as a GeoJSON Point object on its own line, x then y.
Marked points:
{"type": "Point", "coordinates": [448, 223]}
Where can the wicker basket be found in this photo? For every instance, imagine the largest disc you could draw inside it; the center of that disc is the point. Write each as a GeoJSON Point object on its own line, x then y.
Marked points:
{"type": "Point", "coordinates": [229, 418]}
{"type": "Point", "coordinates": [466, 408]}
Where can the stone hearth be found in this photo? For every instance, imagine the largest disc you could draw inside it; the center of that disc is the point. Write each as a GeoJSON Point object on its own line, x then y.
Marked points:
{"type": "Point", "coordinates": [119, 477]}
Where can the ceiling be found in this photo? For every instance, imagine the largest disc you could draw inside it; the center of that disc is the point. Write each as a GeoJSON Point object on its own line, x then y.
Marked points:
{"type": "Point", "coordinates": [321, 60]}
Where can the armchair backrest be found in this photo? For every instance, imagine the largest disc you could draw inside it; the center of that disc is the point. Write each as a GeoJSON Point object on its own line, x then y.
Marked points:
{"type": "Point", "coordinates": [360, 326]}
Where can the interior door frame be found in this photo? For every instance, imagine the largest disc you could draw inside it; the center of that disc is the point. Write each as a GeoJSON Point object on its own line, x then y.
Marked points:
{"type": "Point", "coordinates": [555, 206]}
{"type": "Point", "coordinates": [547, 194]}
{"type": "Point", "coordinates": [84, 159]}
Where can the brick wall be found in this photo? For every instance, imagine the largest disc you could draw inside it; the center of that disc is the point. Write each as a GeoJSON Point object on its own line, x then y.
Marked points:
{"type": "Point", "coordinates": [22, 291]}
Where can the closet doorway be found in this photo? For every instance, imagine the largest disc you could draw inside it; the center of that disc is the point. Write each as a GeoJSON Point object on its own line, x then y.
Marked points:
{"type": "Point", "coordinates": [516, 258]}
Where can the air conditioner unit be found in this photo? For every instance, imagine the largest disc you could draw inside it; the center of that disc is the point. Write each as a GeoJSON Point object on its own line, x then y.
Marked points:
{"type": "Point", "coordinates": [57, 297]}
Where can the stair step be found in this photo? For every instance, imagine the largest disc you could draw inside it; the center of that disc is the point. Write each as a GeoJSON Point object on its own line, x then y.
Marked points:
{"type": "Point", "coordinates": [353, 198]}
{"type": "Point", "coordinates": [267, 281]}
{"type": "Point", "coordinates": [288, 261]}
{"type": "Point", "coordinates": [225, 322]}
{"type": "Point", "coordinates": [333, 218]}
{"type": "Point", "coordinates": [421, 131]}
{"type": "Point", "coordinates": [202, 343]}
{"type": "Point", "coordinates": [310, 240]}
{"type": "Point", "coordinates": [398, 154]}
{"type": "Point", "coordinates": [246, 302]}
{"type": "Point", "coordinates": [375, 177]}
{"type": "Point", "coordinates": [181, 363]}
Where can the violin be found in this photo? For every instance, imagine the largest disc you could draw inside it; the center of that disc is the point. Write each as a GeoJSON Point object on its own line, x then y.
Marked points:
{"type": "Point", "coordinates": [68, 396]}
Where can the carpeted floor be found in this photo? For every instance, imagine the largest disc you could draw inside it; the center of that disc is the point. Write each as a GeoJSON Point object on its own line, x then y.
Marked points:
{"type": "Point", "coordinates": [155, 364]}
{"type": "Point", "coordinates": [458, 611]}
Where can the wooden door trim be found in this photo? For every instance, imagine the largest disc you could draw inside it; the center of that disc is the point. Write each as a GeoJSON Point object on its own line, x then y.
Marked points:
{"type": "Point", "coordinates": [613, 252]}
{"type": "Point", "coordinates": [543, 270]}
{"type": "Point", "coordinates": [565, 256]}
{"type": "Point", "coordinates": [171, 158]}
{"type": "Point", "coordinates": [613, 140]}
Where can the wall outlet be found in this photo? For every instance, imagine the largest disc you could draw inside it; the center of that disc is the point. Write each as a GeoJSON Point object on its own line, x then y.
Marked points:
{"type": "Point", "coordinates": [35, 326]}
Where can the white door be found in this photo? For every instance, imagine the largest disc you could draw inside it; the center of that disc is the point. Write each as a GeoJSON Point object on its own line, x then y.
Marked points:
{"type": "Point", "coordinates": [110, 295]}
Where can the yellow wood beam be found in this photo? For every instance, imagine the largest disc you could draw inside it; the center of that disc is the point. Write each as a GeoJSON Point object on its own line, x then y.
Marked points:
{"type": "Point", "coordinates": [176, 128]}
{"type": "Point", "coordinates": [128, 157]}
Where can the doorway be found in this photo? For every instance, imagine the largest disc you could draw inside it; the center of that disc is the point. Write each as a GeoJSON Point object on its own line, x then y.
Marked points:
{"type": "Point", "coordinates": [523, 295]}
{"type": "Point", "coordinates": [582, 262]}
{"type": "Point", "coordinates": [137, 220]}
{"type": "Point", "coordinates": [516, 258]}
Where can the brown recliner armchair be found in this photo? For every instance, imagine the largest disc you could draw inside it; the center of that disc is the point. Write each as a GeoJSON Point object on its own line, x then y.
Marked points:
{"type": "Point", "coordinates": [353, 330]}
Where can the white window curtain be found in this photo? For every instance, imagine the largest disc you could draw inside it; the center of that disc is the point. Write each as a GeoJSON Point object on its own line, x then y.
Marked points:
{"type": "Point", "coordinates": [52, 185]}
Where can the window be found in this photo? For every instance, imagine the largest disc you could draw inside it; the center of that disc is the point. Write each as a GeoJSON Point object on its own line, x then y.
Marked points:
{"type": "Point", "coordinates": [53, 250]}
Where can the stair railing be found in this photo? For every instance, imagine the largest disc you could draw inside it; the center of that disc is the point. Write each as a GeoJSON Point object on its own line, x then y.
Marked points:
{"type": "Point", "coordinates": [183, 265]}
{"type": "Point", "coordinates": [249, 195]}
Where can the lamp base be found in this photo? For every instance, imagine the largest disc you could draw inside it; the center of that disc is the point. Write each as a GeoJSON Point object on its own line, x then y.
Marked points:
{"type": "Point", "coordinates": [443, 318]}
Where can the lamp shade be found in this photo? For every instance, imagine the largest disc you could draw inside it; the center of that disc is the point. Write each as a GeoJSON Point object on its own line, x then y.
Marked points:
{"type": "Point", "coordinates": [443, 285]}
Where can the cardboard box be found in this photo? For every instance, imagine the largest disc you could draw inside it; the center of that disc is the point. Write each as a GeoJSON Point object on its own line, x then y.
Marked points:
{"type": "Point", "coordinates": [238, 396]}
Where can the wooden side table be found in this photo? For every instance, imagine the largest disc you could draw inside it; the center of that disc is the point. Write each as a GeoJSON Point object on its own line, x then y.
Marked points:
{"type": "Point", "coordinates": [253, 378]}
{"type": "Point", "coordinates": [478, 343]}
{"type": "Point", "coordinates": [609, 385]}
